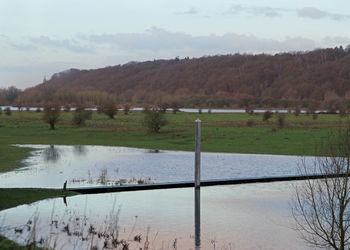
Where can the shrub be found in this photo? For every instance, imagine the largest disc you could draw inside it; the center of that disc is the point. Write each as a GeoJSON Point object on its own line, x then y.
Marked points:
{"type": "Point", "coordinates": [342, 111]}
{"type": "Point", "coordinates": [154, 120]}
{"type": "Point", "coordinates": [267, 115]}
{"type": "Point", "coordinates": [0, 110]}
{"type": "Point", "coordinates": [249, 110]}
{"type": "Point", "coordinates": [110, 110]}
{"type": "Point", "coordinates": [99, 110]}
{"type": "Point", "coordinates": [314, 116]}
{"type": "Point", "coordinates": [163, 107]}
{"type": "Point", "coordinates": [8, 111]}
{"type": "Point", "coordinates": [175, 107]}
{"type": "Point", "coordinates": [51, 115]}
{"type": "Point", "coordinates": [80, 115]}
{"type": "Point", "coordinates": [126, 109]}
{"type": "Point", "coordinates": [38, 110]}
{"type": "Point", "coordinates": [209, 110]}
{"type": "Point", "coordinates": [66, 108]}
{"type": "Point", "coordinates": [297, 111]}
{"type": "Point", "coordinates": [200, 111]}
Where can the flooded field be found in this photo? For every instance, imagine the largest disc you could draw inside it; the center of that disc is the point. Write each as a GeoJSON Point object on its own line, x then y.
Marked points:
{"type": "Point", "coordinates": [50, 166]}
{"type": "Point", "coordinates": [252, 216]}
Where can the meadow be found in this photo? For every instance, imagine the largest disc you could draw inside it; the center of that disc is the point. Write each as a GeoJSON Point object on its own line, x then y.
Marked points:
{"type": "Point", "coordinates": [228, 132]}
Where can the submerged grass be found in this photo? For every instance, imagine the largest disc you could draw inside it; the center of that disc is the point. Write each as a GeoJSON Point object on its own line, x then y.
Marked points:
{"type": "Point", "coordinates": [6, 244]}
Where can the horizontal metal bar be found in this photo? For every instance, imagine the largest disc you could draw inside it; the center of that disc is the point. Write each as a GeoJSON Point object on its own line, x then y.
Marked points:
{"type": "Point", "coordinates": [204, 183]}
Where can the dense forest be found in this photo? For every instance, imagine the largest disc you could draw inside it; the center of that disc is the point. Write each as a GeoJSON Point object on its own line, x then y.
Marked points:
{"type": "Point", "coordinates": [319, 79]}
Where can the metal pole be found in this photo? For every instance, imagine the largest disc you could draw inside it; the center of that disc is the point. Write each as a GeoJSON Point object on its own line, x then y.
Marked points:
{"type": "Point", "coordinates": [197, 176]}
{"type": "Point", "coordinates": [197, 160]}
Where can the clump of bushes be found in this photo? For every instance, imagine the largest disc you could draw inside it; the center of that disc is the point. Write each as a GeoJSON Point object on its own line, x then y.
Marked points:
{"type": "Point", "coordinates": [297, 111]}
{"type": "Point", "coordinates": [66, 108]}
{"type": "Point", "coordinates": [314, 116]}
{"type": "Point", "coordinates": [51, 115]}
{"type": "Point", "coordinates": [342, 111]}
{"type": "Point", "coordinates": [176, 107]}
{"type": "Point", "coordinates": [99, 110]}
{"type": "Point", "coordinates": [126, 109]}
{"type": "Point", "coordinates": [110, 109]}
{"type": "Point", "coordinates": [249, 110]}
{"type": "Point", "coordinates": [154, 119]}
{"type": "Point", "coordinates": [0, 111]}
{"type": "Point", "coordinates": [80, 115]}
{"type": "Point", "coordinates": [163, 107]}
{"type": "Point", "coordinates": [267, 115]}
{"type": "Point", "coordinates": [8, 111]}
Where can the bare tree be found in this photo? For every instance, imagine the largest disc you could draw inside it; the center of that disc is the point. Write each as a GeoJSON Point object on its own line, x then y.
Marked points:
{"type": "Point", "coordinates": [321, 208]}
{"type": "Point", "coordinates": [154, 119]}
{"type": "Point", "coordinates": [52, 115]}
{"type": "Point", "coordinates": [110, 109]}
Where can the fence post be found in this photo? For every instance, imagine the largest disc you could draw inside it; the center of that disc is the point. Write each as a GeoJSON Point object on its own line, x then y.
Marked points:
{"type": "Point", "coordinates": [197, 160]}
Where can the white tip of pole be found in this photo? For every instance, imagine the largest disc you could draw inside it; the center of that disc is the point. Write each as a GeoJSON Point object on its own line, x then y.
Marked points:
{"type": "Point", "coordinates": [198, 120]}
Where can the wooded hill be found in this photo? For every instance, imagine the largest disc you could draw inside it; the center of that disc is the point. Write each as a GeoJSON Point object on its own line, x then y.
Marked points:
{"type": "Point", "coordinates": [319, 78]}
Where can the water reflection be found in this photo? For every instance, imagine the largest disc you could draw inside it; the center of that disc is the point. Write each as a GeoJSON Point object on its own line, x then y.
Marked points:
{"type": "Point", "coordinates": [79, 150]}
{"type": "Point", "coordinates": [51, 154]}
{"type": "Point", "coordinates": [197, 217]}
{"type": "Point", "coordinates": [51, 166]}
{"type": "Point", "coordinates": [252, 216]}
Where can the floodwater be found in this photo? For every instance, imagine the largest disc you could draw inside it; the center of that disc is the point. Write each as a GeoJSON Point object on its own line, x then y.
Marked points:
{"type": "Point", "coordinates": [188, 110]}
{"type": "Point", "coordinates": [251, 216]}
{"type": "Point", "coordinates": [50, 166]}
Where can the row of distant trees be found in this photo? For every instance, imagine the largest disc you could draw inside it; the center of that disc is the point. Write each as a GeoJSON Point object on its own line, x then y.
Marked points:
{"type": "Point", "coordinates": [154, 118]}
{"type": "Point", "coordinates": [16, 97]}
{"type": "Point", "coordinates": [9, 96]}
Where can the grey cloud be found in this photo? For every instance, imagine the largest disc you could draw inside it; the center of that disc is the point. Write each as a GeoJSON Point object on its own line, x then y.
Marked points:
{"type": "Point", "coordinates": [191, 11]}
{"type": "Point", "coordinates": [159, 40]}
{"type": "Point", "coordinates": [307, 12]}
{"type": "Point", "coordinates": [339, 40]}
{"type": "Point", "coordinates": [66, 44]}
{"type": "Point", "coordinates": [264, 11]}
{"type": "Point", "coordinates": [9, 44]}
{"type": "Point", "coordinates": [314, 13]}
{"type": "Point", "coordinates": [23, 46]}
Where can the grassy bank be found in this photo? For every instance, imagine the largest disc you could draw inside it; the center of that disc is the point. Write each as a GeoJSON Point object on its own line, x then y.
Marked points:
{"type": "Point", "coordinates": [12, 197]}
{"type": "Point", "coordinates": [18, 196]}
{"type": "Point", "coordinates": [220, 133]}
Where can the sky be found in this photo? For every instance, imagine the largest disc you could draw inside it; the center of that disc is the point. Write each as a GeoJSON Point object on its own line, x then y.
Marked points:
{"type": "Point", "coordinates": [41, 37]}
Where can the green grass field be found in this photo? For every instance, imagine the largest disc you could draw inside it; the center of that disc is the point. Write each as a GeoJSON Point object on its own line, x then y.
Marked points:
{"type": "Point", "coordinates": [220, 133]}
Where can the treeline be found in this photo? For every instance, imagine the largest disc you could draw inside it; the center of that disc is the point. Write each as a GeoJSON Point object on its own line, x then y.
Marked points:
{"type": "Point", "coordinates": [8, 96]}
{"type": "Point", "coordinates": [315, 79]}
